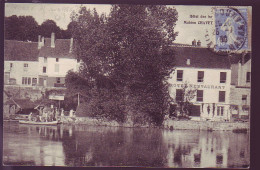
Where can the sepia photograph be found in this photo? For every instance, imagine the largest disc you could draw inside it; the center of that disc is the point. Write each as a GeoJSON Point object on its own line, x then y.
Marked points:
{"type": "Point", "coordinates": [127, 85]}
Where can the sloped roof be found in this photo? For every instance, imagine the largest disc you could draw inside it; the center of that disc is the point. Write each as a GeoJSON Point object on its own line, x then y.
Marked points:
{"type": "Point", "coordinates": [61, 50]}
{"type": "Point", "coordinates": [237, 58]}
{"type": "Point", "coordinates": [22, 103]}
{"type": "Point", "coordinates": [200, 58]}
{"type": "Point", "coordinates": [20, 51]}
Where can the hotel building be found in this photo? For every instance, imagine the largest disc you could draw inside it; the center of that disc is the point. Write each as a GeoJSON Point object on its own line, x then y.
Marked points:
{"type": "Point", "coordinates": [208, 75]}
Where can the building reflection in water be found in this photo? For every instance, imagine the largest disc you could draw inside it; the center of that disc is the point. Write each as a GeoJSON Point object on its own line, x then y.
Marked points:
{"type": "Point", "coordinates": [23, 145]}
{"type": "Point", "coordinates": [113, 146]}
{"type": "Point", "coordinates": [206, 149]}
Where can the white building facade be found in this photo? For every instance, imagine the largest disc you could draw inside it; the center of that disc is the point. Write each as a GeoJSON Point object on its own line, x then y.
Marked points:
{"type": "Point", "coordinates": [56, 58]}
{"type": "Point", "coordinates": [208, 79]}
{"type": "Point", "coordinates": [240, 95]}
{"type": "Point", "coordinates": [20, 63]}
{"type": "Point", "coordinates": [21, 72]}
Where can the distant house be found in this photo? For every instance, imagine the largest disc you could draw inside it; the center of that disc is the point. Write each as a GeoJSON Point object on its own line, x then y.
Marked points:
{"type": "Point", "coordinates": [240, 85]}
{"type": "Point", "coordinates": [56, 58]}
{"type": "Point", "coordinates": [21, 63]}
{"type": "Point", "coordinates": [209, 74]}
{"type": "Point", "coordinates": [44, 63]}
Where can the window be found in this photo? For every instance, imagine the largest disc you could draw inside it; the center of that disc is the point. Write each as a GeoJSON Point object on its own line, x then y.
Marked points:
{"type": "Point", "coordinates": [11, 65]}
{"type": "Point", "coordinates": [179, 75]}
{"type": "Point", "coordinates": [78, 60]}
{"type": "Point", "coordinates": [57, 59]}
{"type": "Point", "coordinates": [199, 95]}
{"type": "Point", "coordinates": [244, 99]}
{"type": "Point", "coordinates": [221, 96]}
{"type": "Point", "coordinates": [24, 80]}
{"type": "Point", "coordinates": [179, 94]}
{"type": "Point", "coordinates": [25, 66]}
{"type": "Point", "coordinates": [200, 76]}
{"type": "Point", "coordinates": [29, 80]}
{"type": "Point", "coordinates": [220, 110]}
{"type": "Point", "coordinates": [58, 79]}
{"type": "Point", "coordinates": [248, 77]}
{"type": "Point", "coordinates": [223, 77]}
{"type": "Point", "coordinates": [34, 81]}
{"type": "Point", "coordinates": [45, 59]}
{"type": "Point", "coordinates": [44, 69]}
{"type": "Point", "coordinates": [56, 67]}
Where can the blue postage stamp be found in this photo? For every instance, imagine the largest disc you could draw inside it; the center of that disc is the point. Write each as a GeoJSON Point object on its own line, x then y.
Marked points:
{"type": "Point", "coordinates": [231, 29]}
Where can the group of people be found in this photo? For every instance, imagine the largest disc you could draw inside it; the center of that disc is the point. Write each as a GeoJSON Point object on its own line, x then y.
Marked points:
{"type": "Point", "coordinates": [48, 114]}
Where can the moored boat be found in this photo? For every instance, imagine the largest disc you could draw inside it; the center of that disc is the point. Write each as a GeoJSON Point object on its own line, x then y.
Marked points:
{"type": "Point", "coordinates": [38, 123]}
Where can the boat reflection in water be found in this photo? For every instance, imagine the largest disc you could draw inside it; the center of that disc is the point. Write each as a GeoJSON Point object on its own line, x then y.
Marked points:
{"type": "Point", "coordinates": [65, 145]}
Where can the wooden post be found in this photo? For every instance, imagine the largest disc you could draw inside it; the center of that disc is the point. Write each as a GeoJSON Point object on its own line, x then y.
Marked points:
{"type": "Point", "coordinates": [78, 99]}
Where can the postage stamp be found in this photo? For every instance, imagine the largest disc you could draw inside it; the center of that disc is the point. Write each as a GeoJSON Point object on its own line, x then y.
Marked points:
{"type": "Point", "coordinates": [231, 29]}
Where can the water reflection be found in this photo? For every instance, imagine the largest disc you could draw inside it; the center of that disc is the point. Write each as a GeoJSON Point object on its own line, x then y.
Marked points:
{"type": "Point", "coordinates": [114, 146]}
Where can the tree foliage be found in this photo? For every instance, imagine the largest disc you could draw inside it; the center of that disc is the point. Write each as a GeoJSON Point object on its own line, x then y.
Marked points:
{"type": "Point", "coordinates": [25, 28]}
{"type": "Point", "coordinates": [129, 51]}
{"type": "Point", "coordinates": [185, 104]}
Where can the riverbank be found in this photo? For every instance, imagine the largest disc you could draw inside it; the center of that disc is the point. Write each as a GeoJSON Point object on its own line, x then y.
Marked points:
{"type": "Point", "coordinates": [169, 124]}
{"type": "Point", "coordinates": [205, 125]}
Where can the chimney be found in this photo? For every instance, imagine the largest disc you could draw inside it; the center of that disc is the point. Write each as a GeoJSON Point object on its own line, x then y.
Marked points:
{"type": "Point", "coordinates": [71, 45]}
{"type": "Point", "coordinates": [53, 40]}
{"type": "Point", "coordinates": [188, 62]}
{"type": "Point", "coordinates": [194, 42]}
{"type": "Point", "coordinates": [199, 43]}
{"type": "Point", "coordinates": [39, 42]}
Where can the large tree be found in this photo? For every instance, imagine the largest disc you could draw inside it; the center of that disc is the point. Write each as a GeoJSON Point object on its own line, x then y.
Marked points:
{"type": "Point", "coordinates": [131, 51]}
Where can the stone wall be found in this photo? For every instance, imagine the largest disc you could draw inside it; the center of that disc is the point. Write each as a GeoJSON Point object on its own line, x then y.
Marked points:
{"type": "Point", "coordinates": [170, 124]}
{"type": "Point", "coordinates": [33, 93]}
{"type": "Point", "coordinates": [204, 125]}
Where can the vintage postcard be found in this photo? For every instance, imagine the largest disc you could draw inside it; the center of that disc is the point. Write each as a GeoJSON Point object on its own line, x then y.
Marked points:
{"type": "Point", "coordinates": [123, 85]}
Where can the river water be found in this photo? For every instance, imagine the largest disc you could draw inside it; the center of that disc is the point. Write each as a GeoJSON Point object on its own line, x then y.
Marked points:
{"type": "Point", "coordinates": [82, 145]}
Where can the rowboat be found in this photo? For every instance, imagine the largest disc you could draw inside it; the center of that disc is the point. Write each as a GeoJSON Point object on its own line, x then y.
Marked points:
{"type": "Point", "coordinates": [38, 123]}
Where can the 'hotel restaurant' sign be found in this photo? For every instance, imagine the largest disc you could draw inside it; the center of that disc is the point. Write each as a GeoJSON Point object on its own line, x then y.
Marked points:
{"type": "Point", "coordinates": [199, 86]}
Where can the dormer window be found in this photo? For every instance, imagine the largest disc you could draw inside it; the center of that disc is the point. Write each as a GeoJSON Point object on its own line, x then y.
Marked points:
{"type": "Point", "coordinates": [188, 62]}
{"type": "Point", "coordinates": [57, 59]}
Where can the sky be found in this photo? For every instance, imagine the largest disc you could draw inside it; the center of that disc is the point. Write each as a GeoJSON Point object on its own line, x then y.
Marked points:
{"type": "Point", "coordinates": [60, 13]}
